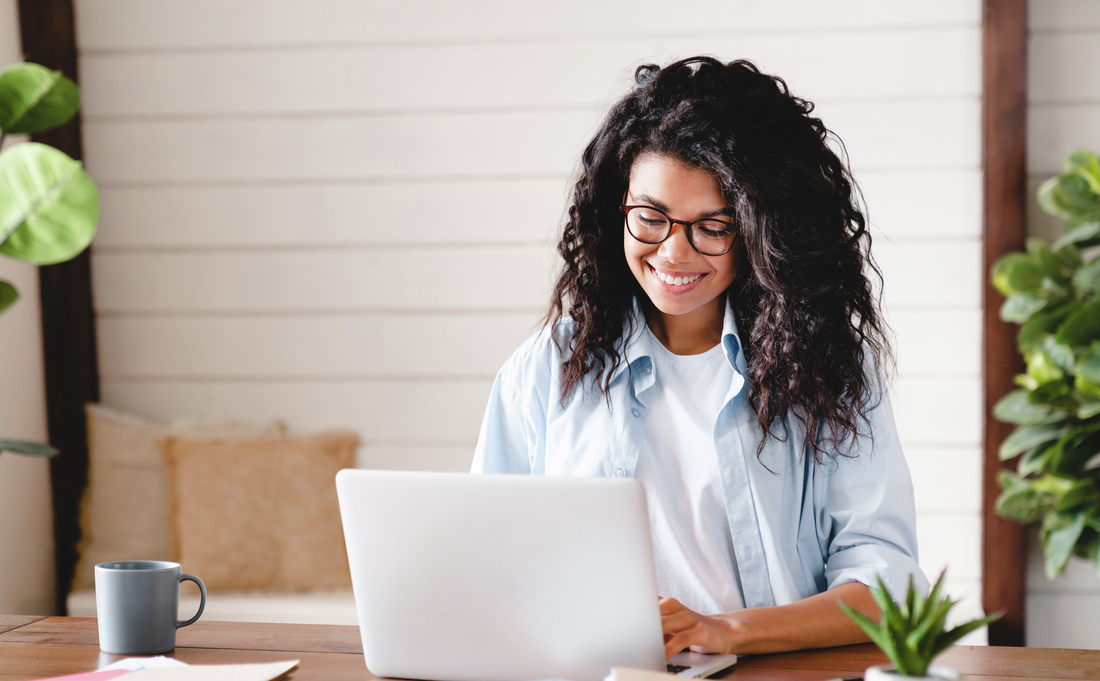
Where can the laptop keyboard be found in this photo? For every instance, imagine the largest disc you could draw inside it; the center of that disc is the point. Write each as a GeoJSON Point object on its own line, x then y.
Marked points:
{"type": "Point", "coordinates": [677, 668]}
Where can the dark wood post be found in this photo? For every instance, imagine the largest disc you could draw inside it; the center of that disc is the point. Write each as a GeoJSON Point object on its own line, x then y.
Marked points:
{"type": "Point", "coordinates": [68, 320]}
{"type": "Point", "coordinates": [1004, 130]}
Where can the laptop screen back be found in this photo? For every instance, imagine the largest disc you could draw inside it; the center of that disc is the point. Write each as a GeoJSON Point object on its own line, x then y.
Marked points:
{"type": "Point", "coordinates": [463, 577]}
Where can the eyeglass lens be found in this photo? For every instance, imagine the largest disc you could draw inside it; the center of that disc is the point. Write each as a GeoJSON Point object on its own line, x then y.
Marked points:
{"type": "Point", "coordinates": [710, 237]}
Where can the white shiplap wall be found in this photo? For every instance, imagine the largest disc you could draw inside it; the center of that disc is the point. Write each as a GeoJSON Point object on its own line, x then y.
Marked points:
{"type": "Point", "coordinates": [276, 176]}
{"type": "Point", "coordinates": [1063, 116]}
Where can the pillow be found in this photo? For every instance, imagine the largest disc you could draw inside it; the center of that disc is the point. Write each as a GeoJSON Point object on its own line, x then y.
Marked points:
{"type": "Point", "coordinates": [124, 510]}
{"type": "Point", "coordinates": [260, 514]}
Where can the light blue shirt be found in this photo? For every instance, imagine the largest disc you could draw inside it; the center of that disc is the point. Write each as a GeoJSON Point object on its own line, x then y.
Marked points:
{"type": "Point", "coordinates": [798, 527]}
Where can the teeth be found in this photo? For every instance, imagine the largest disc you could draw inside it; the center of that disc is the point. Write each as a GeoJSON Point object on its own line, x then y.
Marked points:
{"type": "Point", "coordinates": [675, 281]}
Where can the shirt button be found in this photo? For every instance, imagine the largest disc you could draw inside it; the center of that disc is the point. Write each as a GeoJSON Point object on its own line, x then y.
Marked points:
{"type": "Point", "coordinates": [637, 412]}
{"type": "Point", "coordinates": [647, 370]}
{"type": "Point", "coordinates": [620, 473]}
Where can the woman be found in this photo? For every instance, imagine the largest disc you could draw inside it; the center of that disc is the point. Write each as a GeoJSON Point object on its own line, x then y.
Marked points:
{"type": "Point", "coordinates": [713, 334]}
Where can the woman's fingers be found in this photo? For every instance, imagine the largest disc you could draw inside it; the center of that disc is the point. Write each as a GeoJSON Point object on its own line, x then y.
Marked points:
{"type": "Point", "coordinates": [677, 643]}
{"type": "Point", "coordinates": [679, 621]}
{"type": "Point", "coordinates": [670, 605]}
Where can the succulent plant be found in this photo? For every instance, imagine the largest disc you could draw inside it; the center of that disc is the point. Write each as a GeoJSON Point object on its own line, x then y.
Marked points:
{"type": "Point", "coordinates": [911, 632]}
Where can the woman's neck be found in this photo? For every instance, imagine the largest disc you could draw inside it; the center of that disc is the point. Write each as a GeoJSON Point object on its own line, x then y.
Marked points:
{"type": "Point", "coordinates": [692, 333]}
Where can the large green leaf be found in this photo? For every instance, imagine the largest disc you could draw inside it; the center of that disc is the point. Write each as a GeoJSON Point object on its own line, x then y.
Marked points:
{"type": "Point", "coordinates": [1086, 165]}
{"type": "Point", "coordinates": [26, 448]}
{"type": "Point", "coordinates": [1024, 505]}
{"type": "Point", "coordinates": [8, 295]}
{"type": "Point", "coordinates": [1034, 460]}
{"type": "Point", "coordinates": [1082, 326]}
{"type": "Point", "coordinates": [49, 206]}
{"type": "Point", "coordinates": [34, 99]}
{"type": "Point", "coordinates": [1019, 307]}
{"type": "Point", "coordinates": [1043, 322]}
{"type": "Point", "coordinates": [1026, 437]}
{"type": "Point", "coordinates": [1003, 268]}
{"type": "Point", "coordinates": [1088, 277]}
{"type": "Point", "coordinates": [1083, 493]}
{"type": "Point", "coordinates": [1059, 537]}
{"type": "Point", "coordinates": [1015, 408]}
{"type": "Point", "coordinates": [1069, 194]}
{"type": "Point", "coordinates": [1088, 410]}
{"type": "Point", "coordinates": [1084, 232]}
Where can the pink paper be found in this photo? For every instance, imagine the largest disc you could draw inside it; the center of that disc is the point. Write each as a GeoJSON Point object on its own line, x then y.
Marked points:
{"type": "Point", "coordinates": [90, 676]}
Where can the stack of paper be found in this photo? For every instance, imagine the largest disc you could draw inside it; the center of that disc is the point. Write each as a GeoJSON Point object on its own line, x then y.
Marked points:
{"type": "Point", "coordinates": [168, 669]}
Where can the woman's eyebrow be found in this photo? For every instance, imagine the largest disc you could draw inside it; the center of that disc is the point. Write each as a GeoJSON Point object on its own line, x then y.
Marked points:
{"type": "Point", "coordinates": [647, 199]}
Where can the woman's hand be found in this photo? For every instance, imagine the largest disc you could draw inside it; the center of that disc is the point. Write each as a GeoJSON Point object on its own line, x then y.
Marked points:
{"type": "Point", "coordinates": [688, 629]}
{"type": "Point", "coordinates": [814, 622]}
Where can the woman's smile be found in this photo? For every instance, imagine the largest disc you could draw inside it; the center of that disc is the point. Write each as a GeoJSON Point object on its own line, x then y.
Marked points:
{"type": "Point", "coordinates": [676, 283]}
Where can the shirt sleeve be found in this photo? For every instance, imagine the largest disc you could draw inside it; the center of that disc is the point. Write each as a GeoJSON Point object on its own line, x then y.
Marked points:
{"type": "Point", "coordinates": [867, 512]}
{"type": "Point", "coordinates": [513, 430]}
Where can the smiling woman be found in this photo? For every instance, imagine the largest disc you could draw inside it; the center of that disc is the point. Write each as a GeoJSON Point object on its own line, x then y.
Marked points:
{"type": "Point", "coordinates": [714, 335]}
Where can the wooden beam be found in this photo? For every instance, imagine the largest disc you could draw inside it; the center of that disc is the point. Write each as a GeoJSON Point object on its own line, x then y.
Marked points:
{"type": "Point", "coordinates": [68, 320]}
{"type": "Point", "coordinates": [1004, 130]}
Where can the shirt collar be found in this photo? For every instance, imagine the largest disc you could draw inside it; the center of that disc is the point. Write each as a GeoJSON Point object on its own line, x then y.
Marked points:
{"type": "Point", "coordinates": [635, 351]}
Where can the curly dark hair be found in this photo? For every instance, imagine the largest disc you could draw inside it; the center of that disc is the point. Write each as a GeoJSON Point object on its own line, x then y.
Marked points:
{"type": "Point", "coordinates": [806, 308]}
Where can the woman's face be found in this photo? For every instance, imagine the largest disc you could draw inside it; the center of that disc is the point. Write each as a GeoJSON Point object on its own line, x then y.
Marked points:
{"type": "Point", "coordinates": [688, 194]}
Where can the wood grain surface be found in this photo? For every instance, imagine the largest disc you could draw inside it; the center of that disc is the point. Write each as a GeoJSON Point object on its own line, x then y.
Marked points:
{"type": "Point", "coordinates": [35, 648]}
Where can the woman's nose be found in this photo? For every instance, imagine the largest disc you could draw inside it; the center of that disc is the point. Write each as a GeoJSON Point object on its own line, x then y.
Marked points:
{"type": "Point", "coordinates": [677, 248]}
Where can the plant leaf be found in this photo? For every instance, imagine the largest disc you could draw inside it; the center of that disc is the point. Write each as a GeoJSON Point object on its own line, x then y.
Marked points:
{"type": "Point", "coordinates": [1019, 307]}
{"type": "Point", "coordinates": [1058, 542]}
{"type": "Point", "coordinates": [1082, 326]}
{"type": "Point", "coordinates": [949, 637]}
{"type": "Point", "coordinates": [1061, 355]}
{"type": "Point", "coordinates": [8, 295]}
{"type": "Point", "coordinates": [1088, 277]}
{"type": "Point", "coordinates": [1015, 408]}
{"type": "Point", "coordinates": [869, 627]}
{"type": "Point", "coordinates": [1083, 493]}
{"type": "Point", "coordinates": [1079, 233]}
{"type": "Point", "coordinates": [49, 206]}
{"type": "Point", "coordinates": [35, 99]}
{"type": "Point", "coordinates": [26, 448]}
{"type": "Point", "coordinates": [1033, 461]}
{"type": "Point", "coordinates": [1027, 437]}
{"type": "Point", "coordinates": [1043, 322]}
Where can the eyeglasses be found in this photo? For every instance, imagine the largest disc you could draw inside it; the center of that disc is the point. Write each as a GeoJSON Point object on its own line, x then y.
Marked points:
{"type": "Point", "coordinates": [652, 226]}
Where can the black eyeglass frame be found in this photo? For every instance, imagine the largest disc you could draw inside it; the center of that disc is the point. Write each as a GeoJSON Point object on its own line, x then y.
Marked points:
{"type": "Point", "coordinates": [672, 223]}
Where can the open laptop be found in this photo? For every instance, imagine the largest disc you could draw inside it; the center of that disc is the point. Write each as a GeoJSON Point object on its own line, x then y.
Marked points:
{"type": "Point", "coordinates": [462, 577]}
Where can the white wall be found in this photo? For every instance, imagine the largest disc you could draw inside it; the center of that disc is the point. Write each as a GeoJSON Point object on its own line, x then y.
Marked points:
{"type": "Point", "coordinates": [1063, 116]}
{"type": "Point", "coordinates": [26, 531]}
{"type": "Point", "coordinates": [277, 175]}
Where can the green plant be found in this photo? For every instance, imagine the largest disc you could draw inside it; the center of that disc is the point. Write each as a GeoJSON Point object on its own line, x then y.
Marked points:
{"type": "Point", "coordinates": [1053, 292]}
{"type": "Point", "coordinates": [911, 632]}
{"type": "Point", "coordinates": [49, 207]}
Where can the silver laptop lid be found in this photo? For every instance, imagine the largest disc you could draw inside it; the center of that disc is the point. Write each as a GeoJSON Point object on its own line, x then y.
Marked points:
{"type": "Point", "coordinates": [463, 577]}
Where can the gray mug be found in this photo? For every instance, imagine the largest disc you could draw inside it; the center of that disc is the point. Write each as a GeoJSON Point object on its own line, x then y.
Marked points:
{"type": "Point", "coordinates": [137, 602]}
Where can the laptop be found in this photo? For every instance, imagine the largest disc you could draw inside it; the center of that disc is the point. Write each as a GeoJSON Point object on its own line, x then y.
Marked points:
{"type": "Point", "coordinates": [461, 577]}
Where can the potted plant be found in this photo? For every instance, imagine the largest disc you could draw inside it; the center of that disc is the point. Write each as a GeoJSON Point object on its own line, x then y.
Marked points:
{"type": "Point", "coordinates": [1053, 292]}
{"type": "Point", "coordinates": [911, 632]}
{"type": "Point", "coordinates": [49, 207]}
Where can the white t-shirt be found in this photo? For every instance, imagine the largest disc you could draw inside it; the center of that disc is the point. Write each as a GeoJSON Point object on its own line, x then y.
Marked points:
{"type": "Point", "coordinates": [692, 544]}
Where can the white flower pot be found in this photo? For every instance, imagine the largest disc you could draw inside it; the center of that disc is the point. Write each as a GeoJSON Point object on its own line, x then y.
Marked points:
{"type": "Point", "coordinates": [887, 673]}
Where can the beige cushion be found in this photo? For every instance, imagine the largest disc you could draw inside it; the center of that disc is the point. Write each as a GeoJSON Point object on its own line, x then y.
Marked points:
{"type": "Point", "coordinates": [124, 511]}
{"type": "Point", "coordinates": [260, 514]}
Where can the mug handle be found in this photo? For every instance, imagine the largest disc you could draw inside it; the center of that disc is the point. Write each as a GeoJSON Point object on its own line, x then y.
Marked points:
{"type": "Point", "coordinates": [202, 600]}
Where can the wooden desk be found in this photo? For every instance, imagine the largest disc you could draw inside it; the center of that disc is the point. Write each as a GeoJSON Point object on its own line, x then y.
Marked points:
{"type": "Point", "coordinates": [35, 647]}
